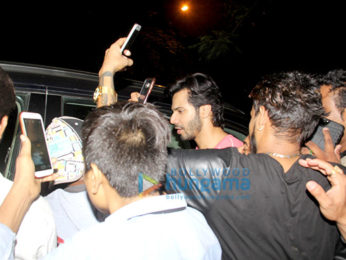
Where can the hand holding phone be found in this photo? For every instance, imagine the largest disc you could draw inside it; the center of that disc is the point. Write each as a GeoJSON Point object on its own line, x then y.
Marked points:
{"type": "Point", "coordinates": [146, 90]}
{"type": "Point", "coordinates": [336, 131]}
{"type": "Point", "coordinates": [32, 126]}
{"type": "Point", "coordinates": [130, 37]}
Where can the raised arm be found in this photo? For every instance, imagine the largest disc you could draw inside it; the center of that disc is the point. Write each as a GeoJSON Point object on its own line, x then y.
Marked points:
{"type": "Point", "coordinates": [113, 62]}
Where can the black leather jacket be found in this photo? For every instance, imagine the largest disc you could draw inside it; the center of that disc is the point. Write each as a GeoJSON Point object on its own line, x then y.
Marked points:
{"type": "Point", "coordinates": [256, 210]}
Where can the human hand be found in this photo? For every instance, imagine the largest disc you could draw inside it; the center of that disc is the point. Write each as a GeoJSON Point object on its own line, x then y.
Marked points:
{"type": "Point", "coordinates": [330, 153]}
{"type": "Point", "coordinates": [333, 202]}
{"type": "Point", "coordinates": [114, 61]}
{"type": "Point", "coordinates": [134, 97]}
{"type": "Point", "coordinates": [245, 148]}
{"type": "Point", "coordinates": [24, 178]}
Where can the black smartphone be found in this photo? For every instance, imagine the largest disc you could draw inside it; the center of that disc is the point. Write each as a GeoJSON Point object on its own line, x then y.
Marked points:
{"type": "Point", "coordinates": [146, 90]}
{"type": "Point", "coordinates": [336, 131]}
{"type": "Point", "coordinates": [130, 37]}
{"type": "Point", "coordinates": [32, 126]}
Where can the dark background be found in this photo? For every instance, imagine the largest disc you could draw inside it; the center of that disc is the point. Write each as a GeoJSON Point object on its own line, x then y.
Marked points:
{"type": "Point", "coordinates": [259, 37]}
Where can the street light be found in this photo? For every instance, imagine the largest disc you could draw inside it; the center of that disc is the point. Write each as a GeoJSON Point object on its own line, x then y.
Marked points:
{"type": "Point", "coordinates": [184, 8]}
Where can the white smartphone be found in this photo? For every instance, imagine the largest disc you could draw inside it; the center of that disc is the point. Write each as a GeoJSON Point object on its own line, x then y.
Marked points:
{"type": "Point", "coordinates": [146, 90]}
{"type": "Point", "coordinates": [32, 126]}
{"type": "Point", "coordinates": [130, 37]}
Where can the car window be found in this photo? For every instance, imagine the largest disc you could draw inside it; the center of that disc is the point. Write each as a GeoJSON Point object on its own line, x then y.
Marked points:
{"type": "Point", "coordinates": [76, 107]}
{"type": "Point", "coordinates": [235, 133]}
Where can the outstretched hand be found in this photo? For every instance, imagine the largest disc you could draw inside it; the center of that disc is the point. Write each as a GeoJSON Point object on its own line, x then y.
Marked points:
{"type": "Point", "coordinates": [332, 202]}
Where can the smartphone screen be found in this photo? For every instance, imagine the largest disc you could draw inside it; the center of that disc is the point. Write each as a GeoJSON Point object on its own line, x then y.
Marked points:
{"type": "Point", "coordinates": [33, 128]}
{"type": "Point", "coordinates": [146, 90]}
{"type": "Point", "coordinates": [336, 131]}
{"type": "Point", "coordinates": [130, 37]}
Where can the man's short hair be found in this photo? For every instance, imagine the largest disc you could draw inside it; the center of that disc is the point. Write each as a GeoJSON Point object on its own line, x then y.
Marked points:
{"type": "Point", "coordinates": [124, 140]}
{"type": "Point", "coordinates": [202, 91]}
{"type": "Point", "coordinates": [7, 95]}
{"type": "Point", "coordinates": [293, 102]}
{"type": "Point", "coordinates": [336, 79]}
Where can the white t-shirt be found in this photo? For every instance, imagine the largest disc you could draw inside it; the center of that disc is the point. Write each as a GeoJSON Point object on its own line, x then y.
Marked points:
{"type": "Point", "coordinates": [36, 235]}
{"type": "Point", "coordinates": [72, 212]}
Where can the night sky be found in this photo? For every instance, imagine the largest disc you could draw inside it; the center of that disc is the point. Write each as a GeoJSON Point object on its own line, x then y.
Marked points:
{"type": "Point", "coordinates": [276, 36]}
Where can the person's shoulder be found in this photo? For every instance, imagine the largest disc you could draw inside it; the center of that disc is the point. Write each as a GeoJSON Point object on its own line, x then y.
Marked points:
{"type": "Point", "coordinates": [233, 141]}
{"type": "Point", "coordinates": [39, 211]}
{"type": "Point", "coordinates": [37, 233]}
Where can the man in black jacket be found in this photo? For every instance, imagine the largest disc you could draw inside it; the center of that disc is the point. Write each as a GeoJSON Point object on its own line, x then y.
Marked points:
{"type": "Point", "coordinates": [258, 205]}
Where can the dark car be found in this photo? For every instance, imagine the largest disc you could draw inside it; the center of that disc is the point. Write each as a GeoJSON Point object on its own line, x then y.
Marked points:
{"type": "Point", "coordinates": [55, 92]}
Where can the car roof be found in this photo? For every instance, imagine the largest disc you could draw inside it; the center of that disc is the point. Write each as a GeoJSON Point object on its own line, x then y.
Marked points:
{"type": "Point", "coordinates": [63, 81]}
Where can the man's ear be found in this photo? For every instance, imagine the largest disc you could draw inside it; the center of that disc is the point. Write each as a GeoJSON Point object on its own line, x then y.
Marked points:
{"type": "Point", "coordinates": [3, 124]}
{"type": "Point", "coordinates": [205, 111]}
{"type": "Point", "coordinates": [262, 118]}
{"type": "Point", "coordinates": [95, 178]}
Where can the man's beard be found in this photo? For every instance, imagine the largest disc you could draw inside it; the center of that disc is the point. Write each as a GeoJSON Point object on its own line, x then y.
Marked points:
{"type": "Point", "coordinates": [253, 144]}
{"type": "Point", "coordinates": [194, 126]}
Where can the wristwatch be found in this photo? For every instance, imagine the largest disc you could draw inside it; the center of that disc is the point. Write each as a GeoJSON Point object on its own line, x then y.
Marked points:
{"type": "Point", "coordinates": [98, 92]}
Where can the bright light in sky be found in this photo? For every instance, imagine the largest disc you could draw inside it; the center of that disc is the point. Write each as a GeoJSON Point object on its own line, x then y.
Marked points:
{"type": "Point", "coordinates": [184, 7]}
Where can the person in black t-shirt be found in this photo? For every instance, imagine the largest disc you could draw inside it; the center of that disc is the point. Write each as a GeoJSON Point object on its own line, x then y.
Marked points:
{"type": "Point", "coordinates": [268, 205]}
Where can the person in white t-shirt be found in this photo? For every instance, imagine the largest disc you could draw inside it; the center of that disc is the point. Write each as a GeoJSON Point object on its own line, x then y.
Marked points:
{"type": "Point", "coordinates": [69, 200]}
{"type": "Point", "coordinates": [36, 234]}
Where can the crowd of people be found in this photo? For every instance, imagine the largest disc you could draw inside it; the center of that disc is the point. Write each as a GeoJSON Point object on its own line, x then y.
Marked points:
{"type": "Point", "coordinates": [274, 195]}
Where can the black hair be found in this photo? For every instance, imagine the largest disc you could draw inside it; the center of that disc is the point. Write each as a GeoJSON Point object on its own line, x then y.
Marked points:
{"type": "Point", "coordinates": [293, 102]}
{"type": "Point", "coordinates": [202, 91]}
{"type": "Point", "coordinates": [7, 95]}
{"type": "Point", "coordinates": [124, 140]}
{"type": "Point", "coordinates": [336, 79]}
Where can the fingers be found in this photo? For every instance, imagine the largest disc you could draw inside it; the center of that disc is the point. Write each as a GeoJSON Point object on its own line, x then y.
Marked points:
{"type": "Point", "coordinates": [328, 154]}
{"type": "Point", "coordinates": [114, 61]}
{"type": "Point", "coordinates": [324, 167]}
{"type": "Point", "coordinates": [328, 142]}
{"type": "Point", "coordinates": [318, 193]}
{"type": "Point", "coordinates": [25, 149]}
{"type": "Point", "coordinates": [305, 150]}
{"type": "Point", "coordinates": [117, 44]}
{"type": "Point", "coordinates": [314, 148]}
{"type": "Point", "coordinates": [134, 97]}
{"type": "Point", "coordinates": [129, 62]}
{"type": "Point", "coordinates": [49, 178]}
{"type": "Point", "coordinates": [316, 164]}
{"type": "Point", "coordinates": [127, 53]}
{"type": "Point", "coordinates": [337, 151]}
{"type": "Point", "coordinates": [120, 41]}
